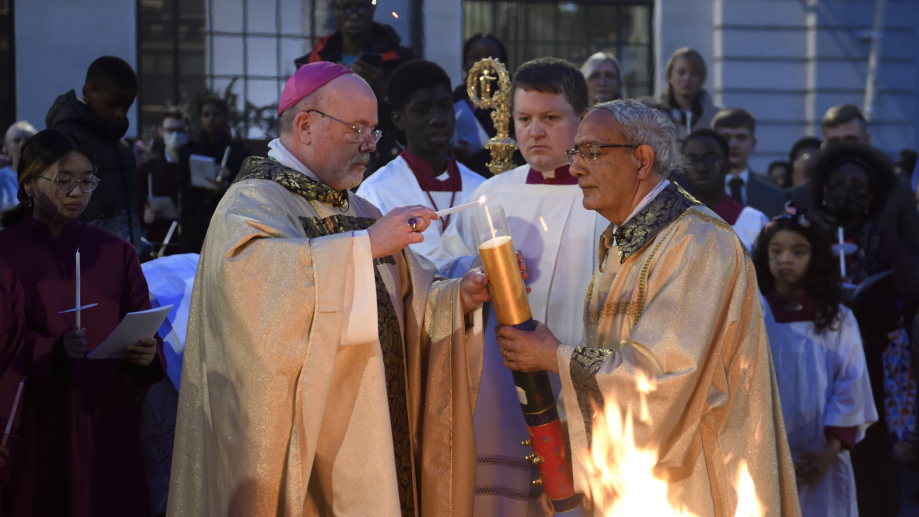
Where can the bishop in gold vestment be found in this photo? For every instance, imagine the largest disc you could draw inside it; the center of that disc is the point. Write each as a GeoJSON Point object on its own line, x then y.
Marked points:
{"type": "Point", "coordinates": [318, 380]}
{"type": "Point", "coordinates": [675, 299]}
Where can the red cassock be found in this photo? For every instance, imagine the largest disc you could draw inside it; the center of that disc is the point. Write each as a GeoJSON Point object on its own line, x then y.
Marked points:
{"type": "Point", "coordinates": [79, 452]}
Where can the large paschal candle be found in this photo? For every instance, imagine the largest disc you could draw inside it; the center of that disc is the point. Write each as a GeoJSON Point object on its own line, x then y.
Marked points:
{"type": "Point", "coordinates": [534, 391]}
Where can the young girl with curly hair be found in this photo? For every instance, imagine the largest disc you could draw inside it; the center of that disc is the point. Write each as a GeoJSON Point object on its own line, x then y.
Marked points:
{"type": "Point", "coordinates": [819, 363]}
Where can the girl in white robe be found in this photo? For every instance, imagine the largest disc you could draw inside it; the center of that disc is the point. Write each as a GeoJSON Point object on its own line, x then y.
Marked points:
{"type": "Point", "coordinates": [819, 363]}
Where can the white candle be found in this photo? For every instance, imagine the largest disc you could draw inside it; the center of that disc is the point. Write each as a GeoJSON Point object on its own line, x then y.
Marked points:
{"type": "Point", "coordinates": [9, 421]}
{"type": "Point", "coordinates": [689, 122]}
{"type": "Point", "coordinates": [448, 211]}
{"type": "Point", "coordinates": [226, 156]}
{"type": "Point", "coordinates": [150, 186]}
{"type": "Point", "coordinates": [172, 228]}
{"type": "Point", "coordinates": [78, 287]}
{"type": "Point", "coordinates": [842, 252]}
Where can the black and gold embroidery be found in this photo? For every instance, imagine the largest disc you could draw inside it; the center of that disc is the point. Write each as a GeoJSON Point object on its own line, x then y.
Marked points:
{"type": "Point", "coordinates": [584, 365]}
{"type": "Point", "coordinates": [258, 168]}
{"type": "Point", "coordinates": [669, 204]}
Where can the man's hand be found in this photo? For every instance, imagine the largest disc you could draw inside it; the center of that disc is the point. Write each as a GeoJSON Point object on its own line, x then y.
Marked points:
{"type": "Point", "coordinates": [74, 343]}
{"type": "Point", "coordinates": [393, 232]}
{"type": "Point", "coordinates": [149, 214]}
{"type": "Point", "coordinates": [814, 463]}
{"type": "Point", "coordinates": [142, 352]}
{"type": "Point", "coordinates": [528, 351]}
{"type": "Point", "coordinates": [473, 289]}
{"type": "Point", "coordinates": [372, 74]}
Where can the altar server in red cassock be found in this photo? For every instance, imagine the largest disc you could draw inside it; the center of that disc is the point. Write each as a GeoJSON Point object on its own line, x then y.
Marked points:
{"type": "Point", "coordinates": [79, 453]}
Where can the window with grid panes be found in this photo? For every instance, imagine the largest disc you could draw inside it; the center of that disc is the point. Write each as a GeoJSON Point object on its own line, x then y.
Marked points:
{"type": "Point", "coordinates": [571, 30]}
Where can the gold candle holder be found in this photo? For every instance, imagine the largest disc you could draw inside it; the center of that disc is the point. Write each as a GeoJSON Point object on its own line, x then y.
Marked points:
{"type": "Point", "coordinates": [479, 87]}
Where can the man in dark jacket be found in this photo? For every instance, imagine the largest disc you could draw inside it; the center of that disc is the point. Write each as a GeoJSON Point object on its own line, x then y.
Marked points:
{"type": "Point", "coordinates": [100, 120]}
{"type": "Point", "coordinates": [372, 51]}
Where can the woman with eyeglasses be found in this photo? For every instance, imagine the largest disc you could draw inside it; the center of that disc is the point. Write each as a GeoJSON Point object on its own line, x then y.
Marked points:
{"type": "Point", "coordinates": [78, 448]}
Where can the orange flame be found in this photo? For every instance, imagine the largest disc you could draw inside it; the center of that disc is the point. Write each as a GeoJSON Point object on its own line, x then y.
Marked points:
{"type": "Point", "coordinates": [622, 479]}
{"type": "Point", "coordinates": [394, 14]}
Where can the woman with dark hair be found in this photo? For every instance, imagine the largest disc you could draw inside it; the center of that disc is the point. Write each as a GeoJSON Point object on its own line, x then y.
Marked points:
{"type": "Point", "coordinates": [79, 450]}
{"type": "Point", "coordinates": [689, 105]}
{"type": "Point", "coordinates": [197, 203]}
{"type": "Point", "coordinates": [819, 362]}
{"type": "Point", "coordinates": [474, 126]}
{"type": "Point", "coordinates": [849, 184]}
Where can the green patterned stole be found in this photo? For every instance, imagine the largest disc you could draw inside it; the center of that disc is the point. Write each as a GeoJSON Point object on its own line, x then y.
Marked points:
{"type": "Point", "coordinates": [390, 335]}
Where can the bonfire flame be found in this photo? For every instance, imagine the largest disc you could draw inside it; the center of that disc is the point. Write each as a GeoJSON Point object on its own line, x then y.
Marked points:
{"type": "Point", "coordinates": [621, 478]}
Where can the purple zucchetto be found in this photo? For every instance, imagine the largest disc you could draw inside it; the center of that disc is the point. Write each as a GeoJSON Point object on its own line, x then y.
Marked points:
{"type": "Point", "coordinates": [307, 79]}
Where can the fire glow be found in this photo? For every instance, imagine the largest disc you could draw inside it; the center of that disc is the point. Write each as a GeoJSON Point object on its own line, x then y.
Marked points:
{"type": "Point", "coordinates": [620, 479]}
{"type": "Point", "coordinates": [394, 15]}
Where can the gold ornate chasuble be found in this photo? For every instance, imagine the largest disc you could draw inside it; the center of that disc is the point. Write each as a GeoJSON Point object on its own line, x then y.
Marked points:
{"type": "Point", "coordinates": [679, 302]}
{"type": "Point", "coordinates": [390, 333]}
{"type": "Point", "coordinates": [277, 414]}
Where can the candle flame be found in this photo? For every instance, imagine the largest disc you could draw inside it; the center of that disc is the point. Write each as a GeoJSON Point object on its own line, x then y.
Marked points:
{"type": "Point", "coordinates": [543, 221]}
{"type": "Point", "coordinates": [394, 14]}
{"type": "Point", "coordinates": [482, 200]}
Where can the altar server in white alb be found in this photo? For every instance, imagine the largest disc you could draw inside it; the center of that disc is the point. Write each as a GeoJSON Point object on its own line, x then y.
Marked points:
{"type": "Point", "coordinates": [425, 173]}
{"type": "Point", "coordinates": [707, 155]}
{"type": "Point", "coordinates": [557, 237]}
{"type": "Point", "coordinates": [819, 362]}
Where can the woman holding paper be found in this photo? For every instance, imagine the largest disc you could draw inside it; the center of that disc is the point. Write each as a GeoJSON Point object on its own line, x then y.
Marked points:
{"type": "Point", "coordinates": [207, 166]}
{"type": "Point", "coordinates": [78, 452]}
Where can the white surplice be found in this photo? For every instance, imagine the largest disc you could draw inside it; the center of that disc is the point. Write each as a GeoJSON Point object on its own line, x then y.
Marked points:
{"type": "Point", "coordinates": [395, 185]}
{"type": "Point", "coordinates": [823, 381]}
{"type": "Point", "coordinates": [748, 225]}
{"type": "Point", "coordinates": [558, 239]}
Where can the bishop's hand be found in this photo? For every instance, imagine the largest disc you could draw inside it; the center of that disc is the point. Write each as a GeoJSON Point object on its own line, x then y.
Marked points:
{"type": "Point", "coordinates": [528, 351]}
{"type": "Point", "coordinates": [399, 228]}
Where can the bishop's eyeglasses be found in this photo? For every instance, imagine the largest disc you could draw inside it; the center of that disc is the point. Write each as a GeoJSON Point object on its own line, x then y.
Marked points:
{"type": "Point", "coordinates": [363, 133]}
{"type": "Point", "coordinates": [590, 152]}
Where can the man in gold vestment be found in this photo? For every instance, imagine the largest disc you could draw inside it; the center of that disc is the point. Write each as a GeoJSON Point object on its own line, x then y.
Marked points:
{"type": "Point", "coordinates": [326, 372]}
{"type": "Point", "coordinates": [675, 299]}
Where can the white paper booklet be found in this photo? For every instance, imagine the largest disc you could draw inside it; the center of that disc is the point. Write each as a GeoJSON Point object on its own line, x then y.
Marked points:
{"type": "Point", "coordinates": [203, 170]}
{"type": "Point", "coordinates": [134, 327]}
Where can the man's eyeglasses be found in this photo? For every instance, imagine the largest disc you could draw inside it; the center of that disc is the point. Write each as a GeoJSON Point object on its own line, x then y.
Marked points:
{"type": "Point", "coordinates": [590, 152]}
{"type": "Point", "coordinates": [709, 160]}
{"type": "Point", "coordinates": [363, 133]}
{"type": "Point", "coordinates": [65, 183]}
{"type": "Point", "coordinates": [349, 9]}
{"type": "Point", "coordinates": [175, 130]}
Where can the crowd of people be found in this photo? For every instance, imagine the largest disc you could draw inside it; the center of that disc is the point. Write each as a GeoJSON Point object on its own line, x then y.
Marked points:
{"type": "Point", "coordinates": [289, 400]}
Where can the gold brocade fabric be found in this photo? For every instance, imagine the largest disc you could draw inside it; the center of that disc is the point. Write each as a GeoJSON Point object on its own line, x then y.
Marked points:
{"type": "Point", "coordinates": [669, 204]}
{"type": "Point", "coordinates": [681, 305]}
{"type": "Point", "coordinates": [278, 413]}
{"type": "Point", "coordinates": [393, 356]}
{"type": "Point", "coordinates": [258, 168]}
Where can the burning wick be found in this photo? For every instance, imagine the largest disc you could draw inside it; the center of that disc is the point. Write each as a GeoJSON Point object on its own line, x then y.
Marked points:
{"type": "Point", "coordinates": [544, 227]}
{"type": "Point", "coordinates": [448, 211]}
{"type": "Point", "coordinates": [394, 15]}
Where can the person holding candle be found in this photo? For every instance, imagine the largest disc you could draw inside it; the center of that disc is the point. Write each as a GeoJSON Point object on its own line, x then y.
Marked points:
{"type": "Point", "coordinates": [849, 184]}
{"type": "Point", "coordinates": [819, 362]}
{"type": "Point", "coordinates": [425, 173]}
{"type": "Point", "coordinates": [674, 299]}
{"type": "Point", "coordinates": [80, 452]}
{"type": "Point", "coordinates": [326, 370]}
{"type": "Point", "coordinates": [553, 232]}
{"type": "Point", "coordinates": [215, 141]}
{"type": "Point", "coordinates": [158, 176]}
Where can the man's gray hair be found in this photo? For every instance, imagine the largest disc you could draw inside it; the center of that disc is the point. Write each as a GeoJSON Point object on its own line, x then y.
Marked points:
{"type": "Point", "coordinates": [645, 125]}
{"type": "Point", "coordinates": [286, 120]}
